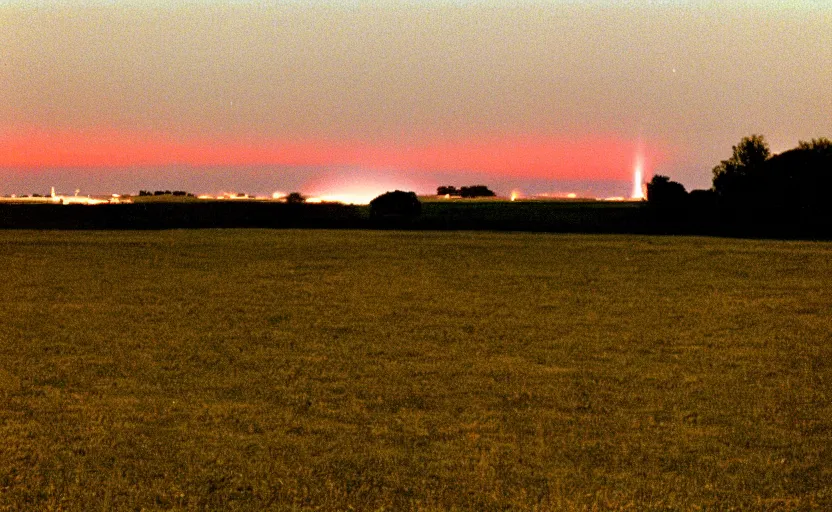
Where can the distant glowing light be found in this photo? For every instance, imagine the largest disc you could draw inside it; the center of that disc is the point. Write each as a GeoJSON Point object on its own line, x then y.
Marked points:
{"type": "Point", "coordinates": [356, 187]}
{"type": "Point", "coordinates": [571, 195]}
{"type": "Point", "coordinates": [348, 198]}
{"type": "Point", "coordinates": [278, 195]}
{"type": "Point", "coordinates": [515, 194]}
{"type": "Point", "coordinates": [638, 179]}
{"type": "Point", "coordinates": [233, 196]}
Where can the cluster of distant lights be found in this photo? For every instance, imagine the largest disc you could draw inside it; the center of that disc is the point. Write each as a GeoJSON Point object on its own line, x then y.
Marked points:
{"type": "Point", "coordinates": [355, 198]}
{"type": "Point", "coordinates": [365, 198]}
{"type": "Point", "coordinates": [516, 195]}
{"type": "Point", "coordinates": [281, 196]}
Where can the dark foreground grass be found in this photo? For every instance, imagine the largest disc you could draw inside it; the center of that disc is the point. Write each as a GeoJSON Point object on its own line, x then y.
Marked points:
{"type": "Point", "coordinates": [295, 370]}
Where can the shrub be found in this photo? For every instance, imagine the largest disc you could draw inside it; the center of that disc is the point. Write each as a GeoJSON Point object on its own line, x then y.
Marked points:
{"type": "Point", "coordinates": [295, 198]}
{"type": "Point", "coordinates": [396, 204]}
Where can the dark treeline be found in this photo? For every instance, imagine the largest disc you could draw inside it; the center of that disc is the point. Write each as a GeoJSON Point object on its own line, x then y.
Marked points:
{"type": "Point", "coordinates": [754, 193]}
{"type": "Point", "coordinates": [466, 192]}
{"type": "Point", "coordinates": [389, 211]}
{"type": "Point", "coordinates": [171, 215]}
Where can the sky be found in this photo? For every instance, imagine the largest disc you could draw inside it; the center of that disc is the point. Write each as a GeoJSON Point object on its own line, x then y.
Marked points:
{"type": "Point", "coordinates": [545, 97]}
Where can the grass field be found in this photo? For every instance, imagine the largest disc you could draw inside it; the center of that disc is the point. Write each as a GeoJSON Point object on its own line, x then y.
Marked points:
{"type": "Point", "coordinates": [329, 370]}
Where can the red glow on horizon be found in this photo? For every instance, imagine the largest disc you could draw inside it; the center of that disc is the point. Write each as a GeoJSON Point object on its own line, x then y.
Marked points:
{"type": "Point", "coordinates": [561, 157]}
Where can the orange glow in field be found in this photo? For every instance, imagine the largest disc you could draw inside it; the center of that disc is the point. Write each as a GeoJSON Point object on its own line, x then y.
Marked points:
{"type": "Point", "coordinates": [350, 195]}
{"type": "Point", "coordinates": [515, 194]}
{"type": "Point", "coordinates": [349, 198]}
{"type": "Point", "coordinates": [360, 186]}
{"type": "Point", "coordinates": [564, 157]}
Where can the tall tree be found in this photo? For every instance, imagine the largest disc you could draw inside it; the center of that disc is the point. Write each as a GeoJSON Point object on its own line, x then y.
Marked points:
{"type": "Point", "coordinates": [733, 177]}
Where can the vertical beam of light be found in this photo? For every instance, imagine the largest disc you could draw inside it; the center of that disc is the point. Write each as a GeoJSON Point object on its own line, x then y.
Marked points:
{"type": "Point", "coordinates": [638, 179]}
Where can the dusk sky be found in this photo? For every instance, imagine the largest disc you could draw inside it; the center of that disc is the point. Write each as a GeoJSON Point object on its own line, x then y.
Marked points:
{"type": "Point", "coordinates": [550, 96]}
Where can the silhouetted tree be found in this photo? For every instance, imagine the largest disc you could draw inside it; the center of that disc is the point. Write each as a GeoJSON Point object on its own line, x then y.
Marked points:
{"type": "Point", "coordinates": [787, 190]}
{"type": "Point", "coordinates": [734, 178]}
{"type": "Point", "coordinates": [797, 183]}
{"type": "Point", "coordinates": [820, 145]}
{"type": "Point", "coordinates": [448, 191]}
{"type": "Point", "coordinates": [663, 193]}
{"type": "Point", "coordinates": [295, 198]}
{"type": "Point", "coordinates": [476, 191]}
{"type": "Point", "coordinates": [395, 205]}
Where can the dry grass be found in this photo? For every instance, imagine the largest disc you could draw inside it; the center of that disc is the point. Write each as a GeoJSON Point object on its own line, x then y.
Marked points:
{"type": "Point", "coordinates": [300, 370]}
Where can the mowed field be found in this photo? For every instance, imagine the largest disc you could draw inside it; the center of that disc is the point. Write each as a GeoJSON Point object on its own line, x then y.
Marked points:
{"type": "Point", "coordinates": [381, 370]}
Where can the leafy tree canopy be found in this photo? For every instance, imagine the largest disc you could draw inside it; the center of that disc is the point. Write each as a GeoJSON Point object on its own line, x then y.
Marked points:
{"type": "Point", "coordinates": [748, 158]}
{"type": "Point", "coordinates": [822, 145]}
